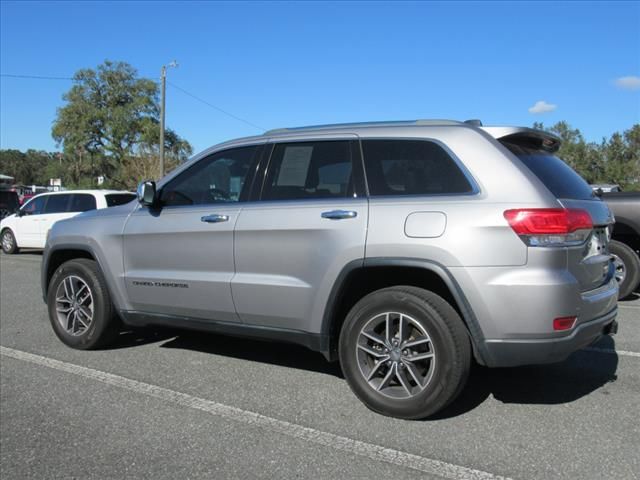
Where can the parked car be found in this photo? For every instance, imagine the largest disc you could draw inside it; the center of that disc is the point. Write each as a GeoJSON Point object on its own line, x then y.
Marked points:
{"type": "Point", "coordinates": [625, 243]}
{"type": "Point", "coordinates": [28, 227]}
{"type": "Point", "coordinates": [9, 202]}
{"type": "Point", "coordinates": [605, 188]}
{"type": "Point", "coordinates": [403, 249]}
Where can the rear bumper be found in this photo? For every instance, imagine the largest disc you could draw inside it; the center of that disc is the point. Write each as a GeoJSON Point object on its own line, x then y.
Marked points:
{"type": "Point", "coordinates": [512, 353]}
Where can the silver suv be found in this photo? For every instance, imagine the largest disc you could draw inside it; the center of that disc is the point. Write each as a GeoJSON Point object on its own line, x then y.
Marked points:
{"type": "Point", "coordinates": [402, 249]}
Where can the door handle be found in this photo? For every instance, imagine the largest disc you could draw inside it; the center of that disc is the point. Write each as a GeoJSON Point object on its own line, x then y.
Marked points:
{"type": "Point", "coordinates": [214, 218]}
{"type": "Point", "coordinates": [339, 214]}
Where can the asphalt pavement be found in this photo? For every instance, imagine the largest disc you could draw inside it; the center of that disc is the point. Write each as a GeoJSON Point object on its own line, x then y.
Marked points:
{"type": "Point", "coordinates": [174, 404]}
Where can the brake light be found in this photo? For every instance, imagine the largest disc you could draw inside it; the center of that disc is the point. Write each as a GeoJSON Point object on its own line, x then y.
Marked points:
{"type": "Point", "coordinates": [564, 323]}
{"type": "Point", "coordinates": [550, 227]}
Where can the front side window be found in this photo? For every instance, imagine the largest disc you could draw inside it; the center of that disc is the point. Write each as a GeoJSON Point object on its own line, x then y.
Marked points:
{"type": "Point", "coordinates": [309, 170]}
{"type": "Point", "coordinates": [412, 167]}
{"type": "Point", "coordinates": [57, 204]}
{"type": "Point", "coordinates": [35, 206]}
{"type": "Point", "coordinates": [218, 178]}
{"type": "Point", "coordinates": [115, 199]}
{"type": "Point", "coordinates": [82, 202]}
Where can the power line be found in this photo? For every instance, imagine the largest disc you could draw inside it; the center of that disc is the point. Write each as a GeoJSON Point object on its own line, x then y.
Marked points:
{"type": "Point", "coordinates": [215, 107]}
{"type": "Point", "coordinates": [36, 77]}
{"type": "Point", "coordinates": [195, 97]}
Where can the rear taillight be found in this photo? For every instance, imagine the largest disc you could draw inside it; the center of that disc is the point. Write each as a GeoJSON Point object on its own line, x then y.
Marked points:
{"type": "Point", "coordinates": [550, 227]}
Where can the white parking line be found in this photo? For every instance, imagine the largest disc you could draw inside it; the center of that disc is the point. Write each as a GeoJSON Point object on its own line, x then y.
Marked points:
{"type": "Point", "coordinates": [632, 307]}
{"type": "Point", "coordinates": [609, 350]}
{"type": "Point", "coordinates": [344, 444]}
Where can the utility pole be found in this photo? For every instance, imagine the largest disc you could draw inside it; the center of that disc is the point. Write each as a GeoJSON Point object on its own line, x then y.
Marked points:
{"type": "Point", "coordinates": [163, 88]}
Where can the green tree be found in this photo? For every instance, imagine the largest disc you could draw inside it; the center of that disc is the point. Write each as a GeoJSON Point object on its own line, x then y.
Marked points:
{"type": "Point", "coordinates": [110, 119]}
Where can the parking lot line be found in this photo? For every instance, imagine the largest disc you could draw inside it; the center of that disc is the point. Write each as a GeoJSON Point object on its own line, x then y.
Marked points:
{"type": "Point", "coordinates": [610, 350]}
{"type": "Point", "coordinates": [344, 444]}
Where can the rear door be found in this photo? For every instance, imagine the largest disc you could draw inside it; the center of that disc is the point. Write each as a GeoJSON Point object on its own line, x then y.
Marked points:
{"type": "Point", "coordinates": [178, 258]}
{"type": "Point", "coordinates": [589, 263]}
{"type": "Point", "coordinates": [291, 243]}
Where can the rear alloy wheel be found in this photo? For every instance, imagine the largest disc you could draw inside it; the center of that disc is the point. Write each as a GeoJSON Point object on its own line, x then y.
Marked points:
{"type": "Point", "coordinates": [627, 265]}
{"type": "Point", "coordinates": [405, 352]}
{"type": "Point", "coordinates": [9, 244]}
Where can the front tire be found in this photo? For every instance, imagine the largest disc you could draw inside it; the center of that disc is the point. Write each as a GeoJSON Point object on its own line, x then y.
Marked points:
{"type": "Point", "coordinates": [9, 244]}
{"type": "Point", "coordinates": [627, 266]}
{"type": "Point", "coordinates": [405, 352]}
{"type": "Point", "coordinates": [80, 308]}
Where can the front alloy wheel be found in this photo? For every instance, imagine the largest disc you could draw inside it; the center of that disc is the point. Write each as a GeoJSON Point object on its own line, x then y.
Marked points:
{"type": "Point", "coordinates": [74, 305]}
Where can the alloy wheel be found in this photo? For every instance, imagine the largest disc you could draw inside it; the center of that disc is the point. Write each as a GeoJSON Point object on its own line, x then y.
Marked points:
{"type": "Point", "coordinates": [395, 355]}
{"type": "Point", "coordinates": [74, 305]}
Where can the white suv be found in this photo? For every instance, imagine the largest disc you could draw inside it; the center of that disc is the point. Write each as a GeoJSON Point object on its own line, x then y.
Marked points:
{"type": "Point", "coordinates": [28, 227]}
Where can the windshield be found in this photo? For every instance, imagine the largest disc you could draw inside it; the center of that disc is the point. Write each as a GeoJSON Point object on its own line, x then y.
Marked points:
{"type": "Point", "coordinates": [556, 175]}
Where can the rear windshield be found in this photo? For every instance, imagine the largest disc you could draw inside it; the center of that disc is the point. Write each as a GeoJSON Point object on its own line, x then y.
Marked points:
{"type": "Point", "coordinates": [115, 199]}
{"type": "Point", "coordinates": [557, 176]}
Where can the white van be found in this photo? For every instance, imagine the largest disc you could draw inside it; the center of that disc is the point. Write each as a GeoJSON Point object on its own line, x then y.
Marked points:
{"type": "Point", "coordinates": [28, 227]}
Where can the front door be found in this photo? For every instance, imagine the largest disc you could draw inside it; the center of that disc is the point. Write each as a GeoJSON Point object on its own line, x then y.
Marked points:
{"type": "Point", "coordinates": [179, 257]}
{"type": "Point", "coordinates": [27, 230]}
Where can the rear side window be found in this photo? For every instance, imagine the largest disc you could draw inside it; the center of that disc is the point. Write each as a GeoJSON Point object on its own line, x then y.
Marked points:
{"type": "Point", "coordinates": [57, 204]}
{"type": "Point", "coordinates": [412, 167]}
{"type": "Point", "coordinates": [309, 170]}
{"type": "Point", "coordinates": [82, 202]}
{"type": "Point", "coordinates": [557, 176]}
{"type": "Point", "coordinates": [115, 199]}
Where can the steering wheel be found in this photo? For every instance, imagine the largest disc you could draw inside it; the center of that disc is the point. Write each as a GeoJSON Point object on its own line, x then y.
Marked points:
{"type": "Point", "coordinates": [218, 195]}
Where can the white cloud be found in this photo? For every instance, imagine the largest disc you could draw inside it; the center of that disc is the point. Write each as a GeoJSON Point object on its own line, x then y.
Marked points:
{"type": "Point", "coordinates": [542, 107]}
{"type": "Point", "coordinates": [631, 82]}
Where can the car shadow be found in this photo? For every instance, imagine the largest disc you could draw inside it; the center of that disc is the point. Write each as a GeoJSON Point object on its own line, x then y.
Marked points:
{"type": "Point", "coordinates": [583, 373]}
{"type": "Point", "coordinates": [263, 351]}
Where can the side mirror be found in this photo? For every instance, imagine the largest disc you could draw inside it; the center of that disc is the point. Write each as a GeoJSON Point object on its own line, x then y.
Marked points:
{"type": "Point", "coordinates": [147, 193]}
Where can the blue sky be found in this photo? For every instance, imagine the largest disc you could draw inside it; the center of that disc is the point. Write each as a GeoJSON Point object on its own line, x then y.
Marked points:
{"type": "Point", "coordinates": [287, 64]}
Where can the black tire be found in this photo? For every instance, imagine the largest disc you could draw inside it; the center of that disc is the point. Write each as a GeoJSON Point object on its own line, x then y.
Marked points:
{"type": "Point", "coordinates": [627, 265]}
{"type": "Point", "coordinates": [449, 339]}
{"type": "Point", "coordinates": [10, 246]}
{"type": "Point", "coordinates": [104, 326]}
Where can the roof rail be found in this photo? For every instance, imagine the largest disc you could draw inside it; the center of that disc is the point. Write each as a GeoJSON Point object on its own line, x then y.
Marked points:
{"type": "Point", "coordinates": [422, 122]}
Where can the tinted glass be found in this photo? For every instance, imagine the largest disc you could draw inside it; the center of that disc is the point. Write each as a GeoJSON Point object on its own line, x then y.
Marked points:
{"type": "Point", "coordinates": [115, 199]}
{"type": "Point", "coordinates": [411, 167]}
{"type": "Point", "coordinates": [9, 200]}
{"type": "Point", "coordinates": [57, 204]}
{"type": "Point", "coordinates": [34, 206]}
{"type": "Point", "coordinates": [557, 176]}
{"type": "Point", "coordinates": [309, 170]}
{"type": "Point", "coordinates": [82, 202]}
{"type": "Point", "coordinates": [215, 179]}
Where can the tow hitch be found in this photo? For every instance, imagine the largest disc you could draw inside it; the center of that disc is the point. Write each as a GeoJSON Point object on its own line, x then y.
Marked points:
{"type": "Point", "coordinates": [611, 329]}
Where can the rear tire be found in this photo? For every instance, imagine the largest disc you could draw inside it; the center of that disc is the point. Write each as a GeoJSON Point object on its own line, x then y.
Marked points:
{"type": "Point", "coordinates": [9, 244]}
{"type": "Point", "coordinates": [80, 308]}
{"type": "Point", "coordinates": [627, 267]}
{"type": "Point", "coordinates": [410, 373]}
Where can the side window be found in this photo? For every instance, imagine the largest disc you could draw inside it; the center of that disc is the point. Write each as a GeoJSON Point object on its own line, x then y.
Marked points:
{"type": "Point", "coordinates": [309, 170]}
{"type": "Point", "coordinates": [218, 178]}
{"type": "Point", "coordinates": [411, 167]}
{"type": "Point", "coordinates": [82, 202]}
{"type": "Point", "coordinates": [34, 206]}
{"type": "Point", "coordinates": [57, 204]}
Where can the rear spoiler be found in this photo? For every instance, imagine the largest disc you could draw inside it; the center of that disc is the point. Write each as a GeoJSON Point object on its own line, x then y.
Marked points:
{"type": "Point", "coordinates": [526, 137]}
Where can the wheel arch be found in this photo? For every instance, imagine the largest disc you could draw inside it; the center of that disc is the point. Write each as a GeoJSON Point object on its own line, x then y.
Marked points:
{"type": "Point", "coordinates": [360, 277]}
{"type": "Point", "coordinates": [59, 254]}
